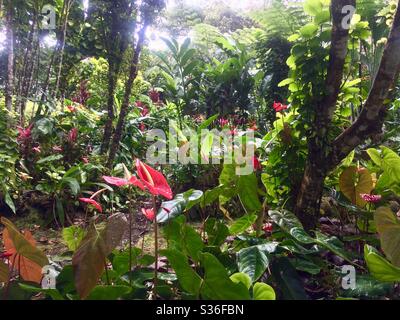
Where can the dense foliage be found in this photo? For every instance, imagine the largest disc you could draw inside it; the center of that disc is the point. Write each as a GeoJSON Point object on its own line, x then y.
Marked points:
{"type": "Point", "coordinates": [318, 104]}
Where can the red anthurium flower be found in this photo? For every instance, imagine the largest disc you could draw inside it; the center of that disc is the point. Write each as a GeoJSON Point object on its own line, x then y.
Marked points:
{"type": "Point", "coordinates": [278, 107]}
{"type": "Point", "coordinates": [24, 133]}
{"type": "Point", "coordinates": [73, 135]}
{"type": "Point", "coordinates": [153, 180]}
{"type": "Point", "coordinates": [267, 227]}
{"type": "Point", "coordinates": [92, 202]}
{"type": "Point", "coordinates": [256, 163]}
{"type": "Point", "coordinates": [120, 182]}
{"type": "Point", "coordinates": [149, 214]}
{"type": "Point", "coordinates": [372, 198]}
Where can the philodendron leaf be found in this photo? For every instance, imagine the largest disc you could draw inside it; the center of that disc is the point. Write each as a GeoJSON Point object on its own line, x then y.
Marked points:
{"type": "Point", "coordinates": [216, 232]}
{"type": "Point", "coordinates": [240, 277]}
{"type": "Point", "coordinates": [289, 223]}
{"type": "Point", "coordinates": [288, 280]}
{"type": "Point", "coordinates": [217, 285]}
{"type": "Point", "coordinates": [388, 226]}
{"type": "Point", "coordinates": [73, 236]}
{"type": "Point", "coordinates": [253, 261]}
{"type": "Point", "coordinates": [89, 259]}
{"type": "Point", "coordinates": [242, 224]}
{"type": "Point", "coordinates": [248, 193]}
{"type": "Point", "coordinates": [22, 246]}
{"type": "Point", "coordinates": [181, 202]}
{"type": "Point", "coordinates": [380, 268]}
{"type": "Point", "coordinates": [184, 238]}
{"type": "Point", "coordinates": [263, 291]}
{"type": "Point", "coordinates": [355, 181]}
{"type": "Point", "coordinates": [187, 277]}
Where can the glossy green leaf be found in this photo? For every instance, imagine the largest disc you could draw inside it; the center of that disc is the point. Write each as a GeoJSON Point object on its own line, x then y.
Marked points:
{"type": "Point", "coordinates": [263, 291]}
{"type": "Point", "coordinates": [73, 236]}
{"type": "Point", "coordinates": [242, 224]}
{"type": "Point", "coordinates": [253, 261]}
{"type": "Point", "coordinates": [240, 277]}
{"type": "Point", "coordinates": [380, 268]}
{"type": "Point", "coordinates": [217, 285]}
{"type": "Point", "coordinates": [189, 280]}
{"type": "Point", "coordinates": [388, 226]}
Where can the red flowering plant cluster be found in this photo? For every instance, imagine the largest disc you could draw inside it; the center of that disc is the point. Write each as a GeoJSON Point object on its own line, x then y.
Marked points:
{"type": "Point", "coordinates": [152, 181]}
{"type": "Point", "coordinates": [279, 107]}
{"type": "Point", "coordinates": [83, 95]}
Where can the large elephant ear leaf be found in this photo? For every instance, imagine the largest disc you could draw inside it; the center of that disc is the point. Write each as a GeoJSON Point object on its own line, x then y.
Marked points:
{"type": "Point", "coordinates": [25, 257]}
{"type": "Point", "coordinates": [388, 226]}
{"type": "Point", "coordinates": [88, 260]}
{"type": "Point", "coordinates": [24, 245]}
{"type": "Point", "coordinates": [355, 181]}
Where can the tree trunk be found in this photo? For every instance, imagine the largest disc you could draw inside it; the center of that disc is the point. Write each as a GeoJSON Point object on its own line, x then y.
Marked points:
{"type": "Point", "coordinates": [66, 9]}
{"type": "Point", "coordinates": [322, 160]}
{"type": "Point", "coordinates": [125, 105]}
{"type": "Point", "coordinates": [309, 196]}
{"type": "Point", "coordinates": [10, 58]}
{"type": "Point", "coordinates": [112, 79]}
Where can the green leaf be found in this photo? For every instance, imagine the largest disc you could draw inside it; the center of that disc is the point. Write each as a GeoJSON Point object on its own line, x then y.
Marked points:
{"type": "Point", "coordinates": [333, 244]}
{"type": "Point", "coordinates": [289, 223]}
{"type": "Point", "coordinates": [368, 288]}
{"type": "Point", "coordinates": [285, 82]}
{"type": "Point", "coordinates": [248, 193]}
{"type": "Point", "coordinates": [388, 226]}
{"type": "Point", "coordinates": [217, 285]}
{"type": "Point", "coordinates": [313, 7]}
{"type": "Point", "coordinates": [73, 236]}
{"type": "Point", "coordinates": [173, 208]}
{"type": "Point", "coordinates": [51, 158]}
{"type": "Point", "coordinates": [309, 30]}
{"type": "Point", "coordinates": [216, 232]}
{"type": "Point", "coordinates": [187, 277]}
{"type": "Point", "coordinates": [89, 259]}
{"type": "Point", "coordinates": [263, 291]}
{"type": "Point", "coordinates": [183, 237]}
{"type": "Point", "coordinates": [253, 261]}
{"type": "Point", "coordinates": [242, 224]}
{"type": "Point", "coordinates": [10, 203]}
{"type": "Point", "coordinates": [52, 293]}
{"type": "Point", "coordinates": [288, 280]}
{"type": "Point", "coordinates": [103, 292]}
{"type": "Point", "coordinates": [380, 268]}
{"type": "Point", "coordinates": [241, 277]}
{"type": "Point", "coordinates": [73, 184]}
